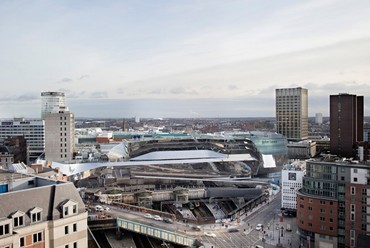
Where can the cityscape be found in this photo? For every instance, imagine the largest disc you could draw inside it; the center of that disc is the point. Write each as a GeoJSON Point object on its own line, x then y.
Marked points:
{"type": "Point", "coordinates": [288, 181]}
{"type": "Point", "coordinates": [199, 124]}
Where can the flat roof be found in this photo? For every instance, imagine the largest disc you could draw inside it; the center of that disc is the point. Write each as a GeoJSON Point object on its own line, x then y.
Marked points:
{"type": "Point", "coordinates": [7, 175]}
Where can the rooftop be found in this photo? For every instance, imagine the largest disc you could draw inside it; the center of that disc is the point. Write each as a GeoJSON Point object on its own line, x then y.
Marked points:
{"type": "Point", "coordinates": [6, 176]}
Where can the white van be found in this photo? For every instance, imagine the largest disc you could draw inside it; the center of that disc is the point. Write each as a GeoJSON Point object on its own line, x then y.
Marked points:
{"type": "Point", "coordinates": [288, 228]}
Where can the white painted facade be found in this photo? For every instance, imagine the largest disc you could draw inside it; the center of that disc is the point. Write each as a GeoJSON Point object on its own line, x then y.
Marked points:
{"type": "Point", "coordinates": [291, 180]}
{"type": "Point", "coordinates": [51, 100]}
{"type": "Point", "coordinates": [32, 130]}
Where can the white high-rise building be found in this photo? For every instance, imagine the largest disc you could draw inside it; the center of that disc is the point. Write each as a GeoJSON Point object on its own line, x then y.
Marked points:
{"type": "Point", "coordinates": [32, 130]}
{"type": "Point", "coordinates": [291, 181]}
{"type": "Point", "coordinates": [51, 100]}
{"type": "Point", "coordinates": [292, 113]}
{"type": "Point", "coordinates": [318, 118]}
{"type": "Point", "coordinates": [59, 135]}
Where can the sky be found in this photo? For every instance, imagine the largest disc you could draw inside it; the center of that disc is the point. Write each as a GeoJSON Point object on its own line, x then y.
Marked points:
{"type": "Point", "coordinates": [181, 58]}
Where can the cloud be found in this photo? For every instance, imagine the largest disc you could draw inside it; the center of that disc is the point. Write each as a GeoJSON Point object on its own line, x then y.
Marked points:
{"type": "Point", "coordinates": [26, 97]}
{"type": "Point", "coordinates": [65, 80]}
{"type": "Point", "coordinates": [99, 94]}
{"type": "Point", "coordinates": [83, 77]}
{"type": "Point", "coordinates": [183, 91]}
{"type": "Point", "coordinates": [232, 87]}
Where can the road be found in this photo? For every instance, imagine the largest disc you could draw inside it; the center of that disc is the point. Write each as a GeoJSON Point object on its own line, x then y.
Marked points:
{"type": "Point", "coordinates": [246, 237]}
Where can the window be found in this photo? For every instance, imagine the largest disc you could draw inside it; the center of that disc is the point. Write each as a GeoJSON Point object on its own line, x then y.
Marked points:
{"type": "Point", "coordinates": [75, 208]}
{"type": "Point", "coordinates": [352, 207]}
{"type": "Point", "coordinates": [352, 217]}
{"type": "Point", "coordinates": [309, 224]}
{"type": "Point", "coordinates": [65, 210]}
{"type": "Point", "coordinates": [363, 227]}
{"type": "Point", "coordinates": [363, 191]}
{"type": "Point", "coordinates": [322, 218]}
{"type": "Point", "coordinates": [331, 220]}
{"type": "Point", "coordinates": [322, 210]}
{"type": "Point", "coordinates": [37, 237]}
{"type": "Point", "coordinates": [309, 208]}
{"type": "Point", "coordinates": [21, 242]}
{"type": "Point", "coordinates": [355, 179]}
{"type": "Point", "coordinates": [75, 227]}
{"type": "Point", "coordinates": [4, 229]}
{"type": "Point", "coordinates": [66, 246]}
{"type": "Point", "coordinates": [35, 217]}
{"type": "Point", "coordinates": [363, 209]}
{"type": "Point", "coordinates": [18, 221]}
{"type": "Point", "coordinates": [66, 230]}
{"type": "Point", "coordinates": [353, 190]}
{"type": "Point", "coordinates": [75, 245]}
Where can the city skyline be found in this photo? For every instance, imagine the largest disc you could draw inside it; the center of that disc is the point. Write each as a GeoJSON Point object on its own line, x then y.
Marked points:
{"type": "Point", "coordinates": [181, 59]}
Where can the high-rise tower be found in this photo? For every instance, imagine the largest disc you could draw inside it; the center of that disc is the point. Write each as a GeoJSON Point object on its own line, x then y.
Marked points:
{"type": "Point", "coordinates": [59, 135]}
{"type": "Point", "coordinates": [346, 123]}
{"type": "Point", "coordinates": [292, 113]}
{"type": "Point", "coordinates": [51, 100]}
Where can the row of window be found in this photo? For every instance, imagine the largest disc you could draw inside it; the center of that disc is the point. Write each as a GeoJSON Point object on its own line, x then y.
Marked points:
{"type": "Point", "coordinates": [35, 216]}
{"type": "Point", "coordinates": [322, 227]}
{"type": "Point", "coordinates": [363, 191]}
{"type": "Point", "coordinates": [74, 228]}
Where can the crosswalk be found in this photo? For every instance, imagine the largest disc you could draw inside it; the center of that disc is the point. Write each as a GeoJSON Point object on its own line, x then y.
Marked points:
{"type": "Point", "coordinates": [230, 240]}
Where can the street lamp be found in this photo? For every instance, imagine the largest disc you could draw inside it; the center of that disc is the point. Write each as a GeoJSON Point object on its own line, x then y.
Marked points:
{"type": "Point", "coordinates": [273, 227]}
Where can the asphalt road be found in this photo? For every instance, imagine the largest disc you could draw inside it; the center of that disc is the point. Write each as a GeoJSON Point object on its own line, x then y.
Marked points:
{"type": "Point", "coordinates": [246, 237]}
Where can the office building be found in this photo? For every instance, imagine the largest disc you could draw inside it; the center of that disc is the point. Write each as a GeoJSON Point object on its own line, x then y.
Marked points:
{"type": "Point", "coordinates": [32, 130]}
{"type": "Point", "coordinates": [318, 118]}
{"type": "Point", "coordinates": [346, 124]}
{"type": "Point", "coordinates": [51, 100]}
{"type": "Point", "coordinates": [333, 206]}
{"type": "Point", "coordinates": [292, 113]}
{"type": "Point", "coordinates": [39, 212]}
{"type": "Point", "coordinates": [59, 135]}
{"type": "Point", "coordinates": [291, 181]}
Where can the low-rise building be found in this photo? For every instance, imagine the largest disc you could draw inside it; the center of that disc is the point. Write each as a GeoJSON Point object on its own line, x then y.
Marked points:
{"type": "Point", "coordinates": [302, 149]}
{"type": "Point", "coordinates": [39, 212]}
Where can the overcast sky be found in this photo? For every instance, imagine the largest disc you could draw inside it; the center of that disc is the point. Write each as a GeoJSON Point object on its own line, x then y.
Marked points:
{"type": "Point", "coordinates": [181, 58]}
